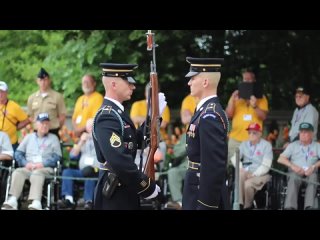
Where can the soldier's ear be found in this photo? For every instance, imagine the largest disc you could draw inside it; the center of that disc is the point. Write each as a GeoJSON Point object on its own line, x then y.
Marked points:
{"type": "Point", "coordinates": [205, 82]}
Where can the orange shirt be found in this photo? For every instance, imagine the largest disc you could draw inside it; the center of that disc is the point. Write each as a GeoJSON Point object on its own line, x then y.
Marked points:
{"type": "Point", "coordinates": [243, 116]}
{"type": "Point", "coordinates": [10, 115]}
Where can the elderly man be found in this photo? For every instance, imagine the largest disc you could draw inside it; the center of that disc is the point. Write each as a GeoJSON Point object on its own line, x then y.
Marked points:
{"type": "Point", "coordinates": [87, 105]}
{"type": "Point", "coordinates": [305, 112]}
{"type": "Point", "coordinates": [6, 154]}
{"type": "Point", "coordinates": [302, 159]}
{"type": "Point", "coordinates": [12, 117]}
{"type": "Point", "coordinates": [257, 156]}
{"type": "Point", "coordinates": [6, 151]}
{"type": "Point", "coordinates": [37, 155]}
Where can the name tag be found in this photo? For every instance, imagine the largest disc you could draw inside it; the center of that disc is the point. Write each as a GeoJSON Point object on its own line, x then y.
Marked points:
{"type": "Point", "coordinates": [37, 159]}
{"type": "Point", "coordinates": [78, 119]}
{"type": "Point", "coordinates": [247, 117]}
{"type": "Point", "coordinates": [88, 161]}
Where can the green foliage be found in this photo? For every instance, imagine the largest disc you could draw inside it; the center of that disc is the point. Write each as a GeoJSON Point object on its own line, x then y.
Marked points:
{"type": "Point", "coordinates": [281, 60]}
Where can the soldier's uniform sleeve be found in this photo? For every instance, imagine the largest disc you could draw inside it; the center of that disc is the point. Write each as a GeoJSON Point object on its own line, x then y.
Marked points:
{"type": "Point", "coordinates": [213, 160]}
{"type": "Point", "coordinates": [61, 105]}
{"type": "Point", "coordinates": [29, 106]}
{"type": "Point", "coordinates": [110, 141]}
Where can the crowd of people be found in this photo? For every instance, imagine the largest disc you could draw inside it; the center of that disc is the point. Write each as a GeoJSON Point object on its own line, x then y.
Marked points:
{"type": "Point", "coordinates": [106, 140]}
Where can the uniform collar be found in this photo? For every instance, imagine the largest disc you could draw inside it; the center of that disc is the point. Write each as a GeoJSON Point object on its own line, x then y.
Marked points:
{"type": "Point", "coordinates": [204, 100]}
{"type": "Point", "coordinates": [39, 93]}
{"type": "Point", "coordinates": [116, 103]}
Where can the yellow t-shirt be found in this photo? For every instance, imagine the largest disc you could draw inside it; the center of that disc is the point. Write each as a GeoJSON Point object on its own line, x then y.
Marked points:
{"type": "Point", "coordinates": [139, 109]}
{"type": "Point", "coordinates": [243, 116]}
{"type": "Point", "coordinates": [189, 103]}
{"type": "Point", "coordinates": [86, 107]}
{"type": "Point", "coordinates": [10, 115]}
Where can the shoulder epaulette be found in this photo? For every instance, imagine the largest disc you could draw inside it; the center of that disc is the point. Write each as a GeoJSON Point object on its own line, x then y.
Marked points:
{"type": "Point", "coordinates": [107, 109]}
{"type": "Point", "coordinates": [210, 106]}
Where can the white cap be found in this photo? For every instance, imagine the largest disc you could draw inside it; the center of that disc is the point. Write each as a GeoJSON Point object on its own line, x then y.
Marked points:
{"type": "Point", "coordinates": [3, 86]}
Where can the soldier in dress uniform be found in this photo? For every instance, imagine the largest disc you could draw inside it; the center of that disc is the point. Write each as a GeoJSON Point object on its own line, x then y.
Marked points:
{"type": "Point", "coordinates": [205, 183]}
{"type": "Point", "coordinates": [116, 141]}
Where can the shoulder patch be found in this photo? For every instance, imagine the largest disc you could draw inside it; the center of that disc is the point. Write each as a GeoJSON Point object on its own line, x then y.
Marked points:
{"type": "Point", "coordinates": [115, 140]}
{"type": "Point", "coordinates": [206, 115]}
{"type": "Point", "coordinates": [107, 109]}
{"type": "Point", "coordinates": [210, 107]}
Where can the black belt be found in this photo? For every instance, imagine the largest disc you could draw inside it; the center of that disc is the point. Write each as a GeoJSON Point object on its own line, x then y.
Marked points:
{"type": "Point", "coordinates": [194, 165]}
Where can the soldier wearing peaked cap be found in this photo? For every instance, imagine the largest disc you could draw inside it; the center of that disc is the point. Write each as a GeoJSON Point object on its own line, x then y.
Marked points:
{"type": "Point", "coordinates": [205, 183]}
{"type": "Point", "coordinates": [116, 140]}
{"type": "Point", "coordinates": [49, 101]}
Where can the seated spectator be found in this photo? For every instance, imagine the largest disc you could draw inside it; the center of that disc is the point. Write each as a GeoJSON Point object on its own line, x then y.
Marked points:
{"type": "Point", "coordinates": [85, 153]}
{"type": "Point", "coordinates": [37, 155]}
{"type": "Point", "coordinates": [302, 159]}
{"type": "Point", "coordinates": [6, 154]}
{"type": "Point", "coordinates": [304, 112]}
{"type": "Point", "coordinates": [177, 173]}
{"type": "Point", "coordinates": [256, 154]}
{"type": "Point", "coordinates": [6, 150]}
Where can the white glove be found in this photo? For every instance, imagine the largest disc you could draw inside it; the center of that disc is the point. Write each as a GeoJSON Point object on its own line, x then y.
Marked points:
{"type": "Point", "coordinates": [155, 193]}
{"type": "Point", "coordinates": [162, 102]}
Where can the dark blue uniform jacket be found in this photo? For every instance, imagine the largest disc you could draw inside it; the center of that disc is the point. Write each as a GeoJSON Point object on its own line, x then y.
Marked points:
{"type": "Point", "coordinates": [205, 184]}
{"type": "Point", "coordinates": [116, 141]}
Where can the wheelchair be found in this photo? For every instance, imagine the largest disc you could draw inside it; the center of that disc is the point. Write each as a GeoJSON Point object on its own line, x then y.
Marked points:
{"type": "Point", "coordinates": [301, 194]}
{"type": "Point", "coordinates": [263, 198]}
{"type": "Point", "coordinates": [50, 193]}
{"type": "Point", "coordinates": [5, 174]}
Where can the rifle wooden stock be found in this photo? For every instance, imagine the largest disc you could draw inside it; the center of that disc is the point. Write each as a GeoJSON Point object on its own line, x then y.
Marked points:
{"type": "Point", "coordinates": [154, 125]}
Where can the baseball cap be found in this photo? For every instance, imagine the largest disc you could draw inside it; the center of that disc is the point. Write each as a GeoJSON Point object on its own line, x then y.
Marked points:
{"type": "Point", "coordinates": [306, 126]}
{"type": "Point", "coordinates": [254, 126]}
{"type": "Point", "coordinates": [304, 90]}
{"type": "Point", "coordinates": [3, 86]}
{"type": "Point", "coordinates": [43, 117]}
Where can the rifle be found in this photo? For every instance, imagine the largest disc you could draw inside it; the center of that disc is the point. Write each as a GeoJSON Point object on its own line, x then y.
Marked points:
{"type": "Point", "coordinates": [154, 121]}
